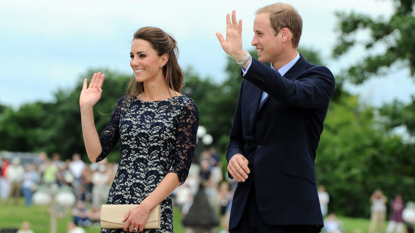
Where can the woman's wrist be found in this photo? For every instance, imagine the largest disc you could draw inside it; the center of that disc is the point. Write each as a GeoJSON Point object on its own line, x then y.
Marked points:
{"type": "Point", "coordinates": [147, 206]}
{"type": "Point", "coordinates": [85, 108]}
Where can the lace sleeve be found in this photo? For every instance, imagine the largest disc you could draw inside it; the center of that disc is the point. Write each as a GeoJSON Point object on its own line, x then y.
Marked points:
{"type": "Point", "coordinates": [185, 140]}
{"type": "Point", "coordinates": [109, 137]}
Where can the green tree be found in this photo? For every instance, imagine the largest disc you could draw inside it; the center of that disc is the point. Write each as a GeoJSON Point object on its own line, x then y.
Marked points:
{"type": "Point", "coordinates": [394, 37]}
{"type": "Point", "coordinates": [394, 34]}
{"type": "Point", "coordinates": [20, 128]}
{"type": "Point", "coordinates": [357, 153]}
{"type": "Point", "coordinates": [357, 156]}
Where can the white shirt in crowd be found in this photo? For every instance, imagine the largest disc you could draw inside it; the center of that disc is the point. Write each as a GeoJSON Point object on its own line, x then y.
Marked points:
{"type": "Point", "coordinates": [324, 201]}
{"type": "Point", "coordinates": [14, 173]}
{"type": "Point", "coordinates": [378, 205]}
{"type": "Point", "coordinates": [76, 168]}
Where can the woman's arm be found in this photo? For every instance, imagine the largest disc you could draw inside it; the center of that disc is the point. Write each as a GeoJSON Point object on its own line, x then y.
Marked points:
{"type": "Point", "coordinates": [90, 134]}
{"type": "Point", "coordinates": [88, 98]}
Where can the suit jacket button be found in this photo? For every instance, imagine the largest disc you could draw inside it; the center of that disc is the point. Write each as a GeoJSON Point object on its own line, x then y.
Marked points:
{"type": "Point", "coordinates": [258, 147]}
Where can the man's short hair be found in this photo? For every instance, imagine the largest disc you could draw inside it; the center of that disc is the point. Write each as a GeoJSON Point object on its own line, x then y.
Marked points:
{"type": "Point", "coordinates": [284, 16]}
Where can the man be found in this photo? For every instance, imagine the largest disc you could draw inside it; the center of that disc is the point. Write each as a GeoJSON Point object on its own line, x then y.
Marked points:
{"type": "Point", "coordinates": [14, 175]}
{"type": "Point", "coordinates": [277, 126]}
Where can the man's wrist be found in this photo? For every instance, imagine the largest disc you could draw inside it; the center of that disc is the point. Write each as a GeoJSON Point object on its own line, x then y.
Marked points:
{"type": "Point", "coordinates": [240, 55]}
{"type": "Point", "coordinates": [244, 60]}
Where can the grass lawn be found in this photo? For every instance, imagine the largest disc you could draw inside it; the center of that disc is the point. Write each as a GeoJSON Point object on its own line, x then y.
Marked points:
{"type": "Point", "coordinates": [13, 216]}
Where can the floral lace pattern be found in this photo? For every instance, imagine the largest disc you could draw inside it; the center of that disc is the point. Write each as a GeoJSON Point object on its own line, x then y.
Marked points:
{"type": "Point", "coordinates": [156, 138]}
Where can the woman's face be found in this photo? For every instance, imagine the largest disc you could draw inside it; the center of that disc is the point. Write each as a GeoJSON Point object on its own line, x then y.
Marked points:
{"type": "Point", "coordinates": [145, 61]}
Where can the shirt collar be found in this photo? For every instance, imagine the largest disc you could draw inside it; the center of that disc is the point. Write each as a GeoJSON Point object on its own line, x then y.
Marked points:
{"type": "Point", "coordinates": [288, 66]}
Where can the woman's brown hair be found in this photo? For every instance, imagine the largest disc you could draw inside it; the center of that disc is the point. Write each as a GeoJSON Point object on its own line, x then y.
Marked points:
{"type": "Point", "coordinates": [163, 43]}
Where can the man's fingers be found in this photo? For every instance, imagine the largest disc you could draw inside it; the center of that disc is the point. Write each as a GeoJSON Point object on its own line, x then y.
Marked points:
{"type": "Point", "coordinates": [242, 168]}
{"type": "Point", "coordinates": [235, 174]}
{"type": "Point", "coordinates": [85, 84]}
{"type": "Point", "coordinates": [228, 21]}
{"type": "Point", "coordinates": [236, 166]}
{"type": "Point", "coordinates": [234, 21]}
{"type": "Point", "coordinates": [240, 27]}
{"type": "Point", "coordinates": [220, 37]}
{"type": "Point", "coordinates": [244, 165]}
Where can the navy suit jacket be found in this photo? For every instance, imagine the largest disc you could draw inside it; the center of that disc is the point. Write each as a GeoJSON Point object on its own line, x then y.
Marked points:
{"type": "Point", "coordinates": [279, 138]}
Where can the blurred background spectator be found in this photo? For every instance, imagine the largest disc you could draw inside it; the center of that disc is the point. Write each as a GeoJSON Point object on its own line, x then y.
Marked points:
{"type": "Point", "coordinates": [378, 211]}
{"type": "Point", "coordinates": [324, 198]}
{"type": "Point", "coordinates": [25, 228]}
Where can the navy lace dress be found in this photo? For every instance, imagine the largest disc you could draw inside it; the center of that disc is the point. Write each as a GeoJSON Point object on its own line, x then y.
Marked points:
{"type": "Point", "coordinates": [157, 138]}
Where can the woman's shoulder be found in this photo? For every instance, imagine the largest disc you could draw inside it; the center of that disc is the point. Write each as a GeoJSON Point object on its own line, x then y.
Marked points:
{"type": "Point", "coordinates": [187, 102]}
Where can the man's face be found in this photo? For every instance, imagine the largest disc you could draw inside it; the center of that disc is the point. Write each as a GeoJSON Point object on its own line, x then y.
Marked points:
{"type": "Point", "coordinates": [267, 44]}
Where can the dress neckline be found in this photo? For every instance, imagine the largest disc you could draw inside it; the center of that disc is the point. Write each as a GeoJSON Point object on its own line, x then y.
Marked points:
{"type": "Point", "coordinates": [156, 101]}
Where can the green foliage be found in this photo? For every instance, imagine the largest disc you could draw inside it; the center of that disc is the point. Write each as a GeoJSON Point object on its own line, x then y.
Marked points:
{"type": "Point", "coordinates": [367, 156]}
{"type": "Point", "coordinates": [56, 127]}
{"type": "Point", "coordinates": [394, 34]}
{"type": "Point", "coordinates": [21, 128]}
{"type": "Point", "coordinates": [397, 113]}
{"type": "Point", "coordinates": [355, 157]}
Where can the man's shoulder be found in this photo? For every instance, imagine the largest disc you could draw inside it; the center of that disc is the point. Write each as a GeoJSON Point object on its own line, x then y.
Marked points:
{"type": "Point", "coordinates": [310, 67]}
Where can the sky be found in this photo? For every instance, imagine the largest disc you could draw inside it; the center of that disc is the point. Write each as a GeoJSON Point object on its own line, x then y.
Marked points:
{"type": "Point", "coordinates": [46, 45]}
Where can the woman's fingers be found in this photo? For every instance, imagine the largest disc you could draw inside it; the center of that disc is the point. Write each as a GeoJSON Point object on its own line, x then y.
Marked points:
{"type": "Point", "coordinates": [101, 81]}
{"type": "Point", "coordinates": [228, 21]}
{"type": "Point", "coordinates": [126, 220]}
{"type": "Point", "coordinates": [132, 227]}
{"type": "Point", "coordinates": [97, 80]}
{"type": "Point", "coordinates": [93, 80]}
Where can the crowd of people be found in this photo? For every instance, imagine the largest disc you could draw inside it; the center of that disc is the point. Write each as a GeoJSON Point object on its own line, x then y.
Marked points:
{"type": "Point", "coordinates": [379, 203]}
{"type": "Point", "coordinates": [90, 184]}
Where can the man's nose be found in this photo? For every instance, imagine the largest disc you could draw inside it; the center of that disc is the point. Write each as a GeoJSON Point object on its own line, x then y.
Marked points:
{"type": "Point", "coordinates": [254, 41]}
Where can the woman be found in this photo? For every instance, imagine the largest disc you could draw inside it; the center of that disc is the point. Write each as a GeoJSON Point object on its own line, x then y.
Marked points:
{"type": "Point", "coordinates": [378, 211]}
{"type": "Point", "coordinates": [396, 220]}
{"type": "Point", "coordinates": [156, 126]}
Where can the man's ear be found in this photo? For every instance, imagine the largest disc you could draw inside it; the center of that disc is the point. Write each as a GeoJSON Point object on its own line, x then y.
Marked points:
{"type": "Point", "coordinates": [286, 34]}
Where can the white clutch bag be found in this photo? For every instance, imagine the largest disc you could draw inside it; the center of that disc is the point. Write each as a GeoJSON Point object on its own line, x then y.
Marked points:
{"type": "Point", "coordinates": [111, 216]}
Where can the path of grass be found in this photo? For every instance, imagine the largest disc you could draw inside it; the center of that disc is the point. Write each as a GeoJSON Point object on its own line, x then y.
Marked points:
{"type": "Point", "coordinates": [13, 216]}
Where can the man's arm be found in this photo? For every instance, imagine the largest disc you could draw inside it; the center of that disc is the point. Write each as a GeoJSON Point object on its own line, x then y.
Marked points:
{"type": "Point", "coordinates": [312, 90]}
